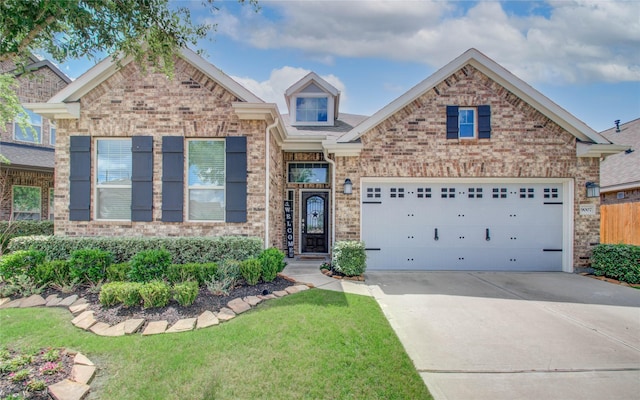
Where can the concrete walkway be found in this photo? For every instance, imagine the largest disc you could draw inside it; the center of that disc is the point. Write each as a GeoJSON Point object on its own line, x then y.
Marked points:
{"type": "Point", "coordinates": [308, 272]}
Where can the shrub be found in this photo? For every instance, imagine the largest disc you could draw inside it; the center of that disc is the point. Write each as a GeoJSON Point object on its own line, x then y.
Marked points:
{"type": "Point", "coordinates": [148, 265]}
{"type": "Point", "coordinates": [22, 284]}
{"type": "Point", "coordinates": [185, 293]}
{"type": "Point", "coordinates": [618, 261]}
{"type": "Point", "coordinates": [229, 269]}
{"type": "Point", "coordinates": [251, 270]}
{"type": "Point", "coordinates": [198, 272]}
{"type": "Point", "coordinates": [129, 294]}
{"type": "Point", "coordinates": [349, 258]}
{"type": "Point", "coordinates": [272, 261]}
{"type": "Point", "coordinates": [118, 272]}
{"type": "Point", "coordinates": [110, 294]}
{"type": "Point", "coordinates": [183, 250]}
{"type": "Point", "coordinates": [21, 262]}
{"type": "Point", "coordinates": [226, 278]}
{"type": "Point", "coordinates": [54, 272]}
{"type": "Point", "coordinates": [155, 294]}
{"type": "Point", "coordinates": [12, 229]}
{"type": "Point", "coordinates": [89, 265]}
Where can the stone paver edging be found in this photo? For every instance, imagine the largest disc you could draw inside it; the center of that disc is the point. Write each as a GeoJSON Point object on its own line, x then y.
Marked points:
{"type": "Point", "coordinates": [76, 387]}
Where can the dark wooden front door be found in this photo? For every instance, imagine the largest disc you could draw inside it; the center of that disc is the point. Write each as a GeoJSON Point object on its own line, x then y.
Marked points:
{"type": "Point", "coordinates": [315, 219]}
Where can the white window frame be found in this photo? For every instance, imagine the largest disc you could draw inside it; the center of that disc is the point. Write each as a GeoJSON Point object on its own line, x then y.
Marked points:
{"type": "Point", "coordinates": [29, 133]}
{"type": "Point", "coordinates": [330, 109]}
{"type": "Point", "coordinates": [98, 186]}
{"type": "Point", "coordinates": [475, 122]}
{"type": "Point", "coordinates": [13, 205]}
{"type": "Point", "coordinates": [51, 203]}
{"type": "Point", "coordinates": [206, 187]}
{"type": "Point", "coordinates": [53, 131]}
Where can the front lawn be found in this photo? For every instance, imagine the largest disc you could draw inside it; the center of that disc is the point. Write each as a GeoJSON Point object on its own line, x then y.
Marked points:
{"type": "Point", "coordinates": [316, 344]}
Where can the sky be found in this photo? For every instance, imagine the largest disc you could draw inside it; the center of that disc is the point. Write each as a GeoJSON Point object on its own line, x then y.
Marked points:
{"type": "Point", "coordinates": [583, 55]}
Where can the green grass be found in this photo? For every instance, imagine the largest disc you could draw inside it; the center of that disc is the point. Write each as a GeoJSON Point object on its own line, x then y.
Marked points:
{"type": "Point", "coordinates": [316, 344]}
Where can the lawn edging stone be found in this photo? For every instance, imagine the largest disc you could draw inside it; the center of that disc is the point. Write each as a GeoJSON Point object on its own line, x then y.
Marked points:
{"type": "Point", "coordinates": [76, 387]}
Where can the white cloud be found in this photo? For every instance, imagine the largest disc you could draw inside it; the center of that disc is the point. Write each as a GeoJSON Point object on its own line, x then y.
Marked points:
{"type": "Point", "coordinates": [272, 90]}
{"type": "Point", "coordinates": [580, 40]}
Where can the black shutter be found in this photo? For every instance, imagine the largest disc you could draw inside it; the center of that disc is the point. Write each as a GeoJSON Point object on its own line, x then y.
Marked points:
{"type": "Point", "coordinates": [236, 179]}
{"type": "Point", "coordinates": [172, 178]}
{"type": "Point", "coordinates": [452, 122]}
{"type": "Point", "coordinates": [484, 122]}
{"type": "Point", "coordinates": [80, 178]}
{"type": "Point", "coordinates": [142, 178]}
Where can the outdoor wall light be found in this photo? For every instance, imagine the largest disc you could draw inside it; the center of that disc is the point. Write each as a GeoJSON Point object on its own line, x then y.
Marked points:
{"type": "Point", "coordinates": [348, 186]}
{"type": "Point", "coordinates": [593, 189]}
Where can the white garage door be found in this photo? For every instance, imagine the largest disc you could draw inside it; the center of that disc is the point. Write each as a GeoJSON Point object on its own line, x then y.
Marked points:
{"type": "Point", "coordinates": [463, 226]}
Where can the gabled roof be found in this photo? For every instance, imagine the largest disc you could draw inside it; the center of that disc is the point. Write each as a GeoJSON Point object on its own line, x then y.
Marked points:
{"type": "Point", "coordinates": [309, 79]}
{"type": "Point", "coordinates": [622, 171]}
{"type": "Point", "coordinates": [64, 104]}
{"type": "Point", "coordinates": [499, 74]}
{"type": "Point", "coordinates": [37, 63]}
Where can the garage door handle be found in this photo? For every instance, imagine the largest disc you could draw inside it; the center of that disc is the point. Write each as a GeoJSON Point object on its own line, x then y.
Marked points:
{"type": "Point", "coordinates": [487, 237]}
{"type": "Point", "coordinates": [435, 236]}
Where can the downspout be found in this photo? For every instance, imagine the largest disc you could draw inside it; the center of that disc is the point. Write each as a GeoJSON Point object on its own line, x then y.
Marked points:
{"type": "Point", "coordinates": [267, 181]}
{"type": "Point", "coordinates": [333, 196]}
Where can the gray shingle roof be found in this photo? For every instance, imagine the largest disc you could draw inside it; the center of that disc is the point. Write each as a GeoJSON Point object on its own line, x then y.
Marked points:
{"type": "Point", "coordinates": [343, 124]}
{"type": "Point", "coordinates": [26, 156]}
{"type": "Point", "coordinates": [622, 170]}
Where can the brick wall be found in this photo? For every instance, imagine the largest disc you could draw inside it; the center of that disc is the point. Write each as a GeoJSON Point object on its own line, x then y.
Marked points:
{"type": "Point", "coordinates": [130, 103]}
{"type": "Point", "coordinates": [10, 177]}
{"type": "Point", "coordinates": [524, 144]}
{"type": "Point", "coordinates": [630, 196]}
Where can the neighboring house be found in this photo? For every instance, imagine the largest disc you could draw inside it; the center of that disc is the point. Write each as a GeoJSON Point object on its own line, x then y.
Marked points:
{"type": "Point", "coordinates": [470, 169]}
{"type": "Point", "coordinates": [26, 168]}
{"type": "Point", "coordinates": [620, 186]}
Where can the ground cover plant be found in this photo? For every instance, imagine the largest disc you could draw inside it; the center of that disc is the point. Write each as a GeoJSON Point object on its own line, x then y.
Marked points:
{"type": "Point", "coordinates": [315, 344]}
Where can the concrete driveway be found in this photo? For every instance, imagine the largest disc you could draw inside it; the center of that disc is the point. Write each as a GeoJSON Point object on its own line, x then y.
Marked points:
{"type": "Point", "coordinates": [486, 335]}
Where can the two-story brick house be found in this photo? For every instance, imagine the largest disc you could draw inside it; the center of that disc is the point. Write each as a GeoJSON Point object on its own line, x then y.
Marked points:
{"type": "Point", "coordinates": [27, 165]}
{"type": "Point", "coordinates": [470, 169]}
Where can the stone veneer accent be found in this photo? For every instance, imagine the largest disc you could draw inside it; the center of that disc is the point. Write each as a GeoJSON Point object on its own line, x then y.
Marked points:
{"type": "Point", "coordinates": [131, 103]}
{"type": "Point", "coordinates": [524, 144]}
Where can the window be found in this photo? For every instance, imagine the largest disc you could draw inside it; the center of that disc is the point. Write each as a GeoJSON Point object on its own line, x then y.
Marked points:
{"type": "Point", "coordinates": [26, 202]}
{"type": "Point", "coordinates": [466, 123]}
{"type": "Point", "coordinates": [308, 173]}
{"type": "Point", "coordinates": [311, 109]}
{"type": "Point", "coordinates": [31, 134]}
{"type": "Point", "coordinates": [52, 133]}
{"type": "Point", "coordinates": [113, 179]}
{"type": "Point", "coordinates": [51, 204]}
{"type": "Point", "coordinates": [206, 180]}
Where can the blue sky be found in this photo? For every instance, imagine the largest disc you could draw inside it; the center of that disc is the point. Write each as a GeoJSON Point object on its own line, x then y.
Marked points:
{"type": "Point", "coordinates": [583, 55]}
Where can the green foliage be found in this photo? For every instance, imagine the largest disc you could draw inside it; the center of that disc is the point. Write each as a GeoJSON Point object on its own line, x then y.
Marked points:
{"type": "Point", "coordinates": [226, 278]}
{"type": "Point", "coordinates": [12, 229]}
{"type": "Point", "coordinates": [251, 270]}
{"type": "Point", "coordinates": [155, 294]}
{"type": "Point", "coordinates": [272, 261]}
{"type": "Point", "coordinates": [20, 263]}
{"type": "Point", "coordinates": [349, 258]}
{"type": "Point", "coordinates": [89, 265]}
{"type": "Point", "coordinates": [618, 261]}
{"type": "Point", "coordinates": [118, 272]}
{"type": "Point", "coordinates": [183, 250]}
{"type": "Point", "coordinates": [55, 272]}
{"type": "Point", "coordinates": [199, 272]}
{"type": "Point", "coordinates": [229, 269]}
{"type": "Point", "coordinates": [21, 375]}
{"type": "Point", "coordinates": [149, 265]}
{"type": "Point", "coordinates": [36, 385]}
{"type": "Point", "coordinates": [110, 294]}
{"type": "Point", "coordinates": [185, 293]}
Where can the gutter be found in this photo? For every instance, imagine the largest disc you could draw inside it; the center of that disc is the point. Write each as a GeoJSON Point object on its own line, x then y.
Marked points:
{"type": "Point", "coordinates": [267, 180]}
{"type": "Point", "coordinates": [333, 196]}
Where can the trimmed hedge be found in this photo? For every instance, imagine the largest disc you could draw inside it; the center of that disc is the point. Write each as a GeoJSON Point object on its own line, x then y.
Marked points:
{"type": "Point", "coordinates": [12, 229]}
{"type": "Point", "coordinates": [349, 258]}
{"type": "Point", "coordinates": [183, 250]}
{"type": "Point", "coordinates": [617, 261]}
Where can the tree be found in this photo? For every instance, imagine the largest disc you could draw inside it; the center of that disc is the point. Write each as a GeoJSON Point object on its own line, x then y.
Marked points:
{"type": "Point", "coordinates": [150, 30]}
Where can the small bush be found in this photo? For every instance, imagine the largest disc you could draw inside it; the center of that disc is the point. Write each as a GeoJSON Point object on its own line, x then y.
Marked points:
{"type": "Point", "coordinates": [55, 272]}
{"type": "Point", "coordinates": [118, 272]}
{"type": "Point", "coordinates": [349, 258]}
{"type": "Point", "coordinates": [185, 293]}
{"type": "Point", "coordinates": [229, 269]}
{"type": "Point", "coordinates": [23, 285]}
{"type": "Point", "coordinates": [129, 294]}
{"type": "Point", "coordinates": [198, 272]}
{"type": "Point", "coordinates": [272, 261]}
{"type": "Point", "coordinates": [226, 278]}
{"type": "Point", "coordinates": [251, 270]}
{"type": "Point", "coordinates": [110, 294]}
{"type": "Point", "coordinates": [617, 261]}
{"type": "Point", "coordinates": [21, 262]}
{"type": "Point", "coordinates": [12, 229]}
{"type": "Point", "coordinates": [155, 294]}
{"type": "Point", "coordinates": [149, 265]}
{"type": "Point", "coordinates": [89, 265]}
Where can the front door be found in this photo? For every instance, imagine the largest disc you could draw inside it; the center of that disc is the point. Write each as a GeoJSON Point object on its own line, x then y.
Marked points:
{"type": "Point", "coordinates": [314, 222]}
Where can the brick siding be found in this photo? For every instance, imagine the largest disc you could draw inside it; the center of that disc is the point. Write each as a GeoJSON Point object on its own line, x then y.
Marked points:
{"type": "Point", "coordinates": [630, 196]}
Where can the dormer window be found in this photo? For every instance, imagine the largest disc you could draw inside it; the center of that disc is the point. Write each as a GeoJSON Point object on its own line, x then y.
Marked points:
{"type": "Point", "coordinates": [311, 109]}
{"type": "Point", "coordinates": [312, 101]}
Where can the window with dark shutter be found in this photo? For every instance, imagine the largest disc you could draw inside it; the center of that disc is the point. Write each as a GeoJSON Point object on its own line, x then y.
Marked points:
{"type": "Point", "coordinates": [236, 179]}
{"type": "Point", "coordinates": [452, 122]}
{"type": "Point", "coordinates": [142, 178]}
{"type": "Point", "coordinates": [484, 122]}
{"type": "Point", "coordinates": [172, 178]}
{"type": "Point", "coordinates": [80, 178]}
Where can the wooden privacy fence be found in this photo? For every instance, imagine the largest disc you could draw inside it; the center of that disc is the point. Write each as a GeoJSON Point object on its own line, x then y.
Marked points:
{"type": "Point", "coordinates": [620, 223]}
